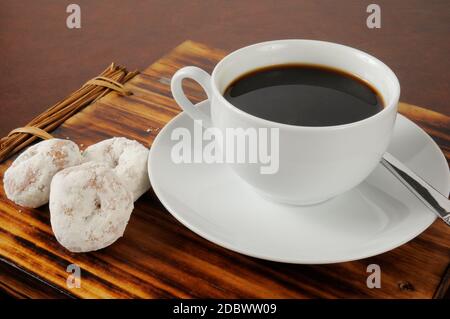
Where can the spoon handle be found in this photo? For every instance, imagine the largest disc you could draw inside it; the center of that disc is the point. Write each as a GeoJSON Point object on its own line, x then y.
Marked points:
{"type": "Point", "coordinates": [433, 199]}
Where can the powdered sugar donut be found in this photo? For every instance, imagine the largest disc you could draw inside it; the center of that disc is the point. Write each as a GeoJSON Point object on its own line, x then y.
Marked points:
{"type": "Point", "coordinates": [127, 157]}
{"type": "Point", "coordinates": [89, 207]}
{"type": "Point", "coordinates": [27, 180]}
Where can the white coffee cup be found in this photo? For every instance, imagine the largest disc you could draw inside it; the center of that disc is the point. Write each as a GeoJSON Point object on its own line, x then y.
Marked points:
{"type": "Point", "coordinates": [315, 163]}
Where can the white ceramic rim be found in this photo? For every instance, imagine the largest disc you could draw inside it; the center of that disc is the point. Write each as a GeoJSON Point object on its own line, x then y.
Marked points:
{"type": "Point", "coordinates": [392, 103]}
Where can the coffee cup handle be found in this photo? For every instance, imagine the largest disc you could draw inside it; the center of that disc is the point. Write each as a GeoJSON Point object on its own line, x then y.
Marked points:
{"type": "Point", "coordinates": [176, 85]}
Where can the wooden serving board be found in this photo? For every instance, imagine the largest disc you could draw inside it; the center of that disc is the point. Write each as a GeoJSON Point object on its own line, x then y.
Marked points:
{"type": "Point", "coordinates": [158, 257]}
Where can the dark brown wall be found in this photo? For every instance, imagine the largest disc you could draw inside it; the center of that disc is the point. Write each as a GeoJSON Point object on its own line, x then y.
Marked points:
{"type": "Point", "coordinates": [42, 60]}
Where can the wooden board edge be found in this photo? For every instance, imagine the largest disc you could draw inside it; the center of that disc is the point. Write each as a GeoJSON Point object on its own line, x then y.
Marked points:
{"type": "Point", "coordinates": [443, 289]}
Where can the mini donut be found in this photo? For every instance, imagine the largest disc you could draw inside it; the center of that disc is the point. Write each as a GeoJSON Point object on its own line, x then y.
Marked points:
{"type": "Point", "coordinates": [128, 159]}
{"type": "Point", "coordinates": [89, 207]}
{"type": "Point", "coordinates": [27, 180]}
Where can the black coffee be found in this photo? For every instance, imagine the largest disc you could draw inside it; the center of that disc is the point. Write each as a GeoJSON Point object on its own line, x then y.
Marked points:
{"type": "Point", "coordinates": [305, 95]}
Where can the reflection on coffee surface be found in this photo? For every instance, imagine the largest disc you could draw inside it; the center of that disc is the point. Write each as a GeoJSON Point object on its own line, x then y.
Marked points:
{"type": "Point", "coordinates": [304, 95]}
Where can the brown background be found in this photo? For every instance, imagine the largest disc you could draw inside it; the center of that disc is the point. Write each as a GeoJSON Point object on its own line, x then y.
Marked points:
{"type": "Point", "coordinates": [42, 60]}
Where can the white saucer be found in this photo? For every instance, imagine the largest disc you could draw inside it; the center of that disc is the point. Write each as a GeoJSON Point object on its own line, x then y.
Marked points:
{"type": "Point", "coordinates": [377, 216]}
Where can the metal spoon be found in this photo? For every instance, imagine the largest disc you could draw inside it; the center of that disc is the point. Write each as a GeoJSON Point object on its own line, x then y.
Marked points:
{"type": "Point", "coordinates": [434, 200]}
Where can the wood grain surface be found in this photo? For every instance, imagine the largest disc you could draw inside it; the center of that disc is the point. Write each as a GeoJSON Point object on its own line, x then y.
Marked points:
{"type": "Point", "coordinates": [160, 258]}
